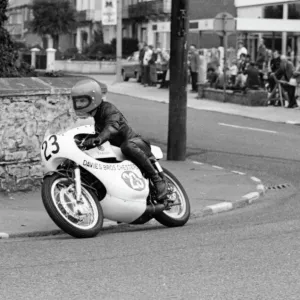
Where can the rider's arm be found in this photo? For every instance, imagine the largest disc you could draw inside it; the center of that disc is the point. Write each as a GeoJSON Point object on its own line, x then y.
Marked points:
{"type": "Point", "coordinates": [112, 124]}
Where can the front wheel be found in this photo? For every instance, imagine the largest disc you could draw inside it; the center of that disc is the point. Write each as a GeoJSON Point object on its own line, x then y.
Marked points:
{"type": "Point", "coordinates": [180, 211]}
{"type": "Point", "coordinates": [80, 220]}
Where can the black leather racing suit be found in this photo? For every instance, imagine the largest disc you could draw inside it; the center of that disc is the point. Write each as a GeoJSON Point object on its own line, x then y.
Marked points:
{"type": "Point", "coordinates": [112, 126]}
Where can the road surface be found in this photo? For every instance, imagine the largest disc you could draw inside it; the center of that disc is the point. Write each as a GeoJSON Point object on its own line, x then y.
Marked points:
{"type": "Point", "coordinates": [252, 253]}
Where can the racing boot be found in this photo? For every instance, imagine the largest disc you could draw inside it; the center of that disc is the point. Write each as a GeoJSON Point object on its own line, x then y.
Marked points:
{"type": "Point", "coordinates": [160, 186]}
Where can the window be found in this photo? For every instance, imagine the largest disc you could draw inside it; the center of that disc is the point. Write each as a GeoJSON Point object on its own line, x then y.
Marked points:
{"type": "Point", "coordinates": [273, 12]}
{"type": "Point", "coordinates": [294, 11]}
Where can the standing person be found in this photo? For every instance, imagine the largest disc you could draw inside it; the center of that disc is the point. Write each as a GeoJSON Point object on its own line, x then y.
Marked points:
{"type": "Point", "coordinates": [261, 58]}
{"type": "Point", "coordinates": [141, 58]}
{"type": "Point", "coordinates": [241, 50]}
{"type": "Point", "coordinates": [147, 57]}
{"type": "Point", "coordinates": [194, 66]}
{"type": "Point", "coordinates": [152, 67]}
{"type": "Point", "coordinates": [163, 58]}
{"type": "Point", "coordinates": [274, 65]}
{"type": "Point", "coordinates": [286, 71]}
{"type": "Point", "coordinates": [261, 54]}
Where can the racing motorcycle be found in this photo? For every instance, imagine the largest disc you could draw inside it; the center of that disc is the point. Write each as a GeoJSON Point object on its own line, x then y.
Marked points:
{"type": "Point", "coordinates": [83, 186]}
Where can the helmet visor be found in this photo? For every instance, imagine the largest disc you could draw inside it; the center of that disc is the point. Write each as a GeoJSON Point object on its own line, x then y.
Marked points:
{"type": "Point", "coordinates": [81, 102]}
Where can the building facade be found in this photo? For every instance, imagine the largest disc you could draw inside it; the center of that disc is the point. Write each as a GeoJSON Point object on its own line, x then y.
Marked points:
{"type": "Point", "coordinates": [89, 21]}
{"type": "Point", "coordinates": [277, 21]}
{"type": "Point", "coordinates": [149, 20]}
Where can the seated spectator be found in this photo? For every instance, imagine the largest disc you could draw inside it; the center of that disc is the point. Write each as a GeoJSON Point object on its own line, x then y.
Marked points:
{"type": "Point", "coordinates": [247, 60]}
{"type": "Point", "coordinates": [233, 72]}
{"type": "Point", "coordinates": [212, 77]}
{"type": "Point", "coordinates": [221, 78]}
{"type": "Point", "coordinates": [242, 63]}
{"type": "Point", "coordinates": [253, 77]}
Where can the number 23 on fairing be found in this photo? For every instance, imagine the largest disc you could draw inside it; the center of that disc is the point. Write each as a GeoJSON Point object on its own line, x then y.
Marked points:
{"type": "Point", "coordinates": [50, 147]}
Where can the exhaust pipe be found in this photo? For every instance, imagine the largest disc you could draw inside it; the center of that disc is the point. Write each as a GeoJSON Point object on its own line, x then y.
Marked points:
{"type": "Point", "coordinates": [151, 210]}
{"type": "Point", "coordinates": [154, 209]}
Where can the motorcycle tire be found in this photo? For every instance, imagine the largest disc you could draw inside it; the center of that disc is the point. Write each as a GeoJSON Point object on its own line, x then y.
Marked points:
{"type": "Point", "coordinates": [164, 217]}
{"type": "Point", "coordinates": [56, 215]}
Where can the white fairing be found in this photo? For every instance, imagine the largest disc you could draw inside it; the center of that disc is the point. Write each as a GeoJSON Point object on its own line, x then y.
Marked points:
{"type": "Point", "coordinates": [127, 189]}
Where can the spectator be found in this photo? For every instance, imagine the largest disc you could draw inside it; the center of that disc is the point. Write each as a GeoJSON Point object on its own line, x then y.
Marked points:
{"type": "Point", "coordinates": [194, 66]}
{"type": "Point", "coordinates": [152, 67]}
{"type": "Point", "coordinates": [212, 77]}
{"type": "Point", "coordinates": [233, 72]}
{"type": "Point", "coordinates": [274, 66]}
{"type": "Point", "coordinates": [242, 63]}
{"type": "Point", "coordinates": [163, 58]}
{"type": "Point", "coordinates": [261, 55]}
{"type": "Point", "coordinates": [297, 76]}
{"type": "Point", "coordinates": [286, 72]}
{"type": "Point", "coordinates": [221, 79]}
{"type": "Point", "coordinates": [275, 61]}
{"type": "Point", "coordinates": [253, 77]}
{"type": "Point", "coordinates": [147, 57]}
{"type": "Point", "coordinates": [141, 59]}
{"type": "Point", "coordinates": [241, 50]}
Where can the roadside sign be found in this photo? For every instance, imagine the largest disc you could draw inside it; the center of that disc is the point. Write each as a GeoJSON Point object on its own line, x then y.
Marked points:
{"type": "Point", "coordinates": [224, 23]}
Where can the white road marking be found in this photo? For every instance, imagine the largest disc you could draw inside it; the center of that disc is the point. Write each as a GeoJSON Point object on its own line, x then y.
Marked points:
{"type": "Point", "coordinates": [197, 163]}
{"type": "Point", "coordinates": [247, 128]}
{"type": "Point", "coordinates": [217, 167]}
{"type": "Point", "coordinates": [255, 179]}
{"type": "Point", "coordinates": [293, 122]}
{"type": "Point", "coordinates": [239, 173]}
{"type": "Point", "coordinates": [4, 235]}
{"type": "Point", "coordinates": [251, 196]}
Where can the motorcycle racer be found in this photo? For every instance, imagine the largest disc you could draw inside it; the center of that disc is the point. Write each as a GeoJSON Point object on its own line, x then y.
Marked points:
{"type": "Point", "coordinates": [112, 126]}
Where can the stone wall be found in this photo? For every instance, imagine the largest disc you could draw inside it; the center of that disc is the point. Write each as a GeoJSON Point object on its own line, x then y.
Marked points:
{"type": "Point", "coordinates": [250, 98]}
{"type": "Point", "coordinates": [27, 107]}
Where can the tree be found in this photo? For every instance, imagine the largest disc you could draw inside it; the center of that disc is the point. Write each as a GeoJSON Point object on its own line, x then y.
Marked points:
{"type": "Point", "coordinates": [53, 17]}
{"type": "Point", "coordinates": [8, 55]}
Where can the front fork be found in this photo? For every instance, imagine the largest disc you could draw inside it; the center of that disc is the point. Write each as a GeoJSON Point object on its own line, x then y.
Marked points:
{"type": "Point", "coordinates": [158, 168]}
{"type": "Point", "coordinates": [77, 183]}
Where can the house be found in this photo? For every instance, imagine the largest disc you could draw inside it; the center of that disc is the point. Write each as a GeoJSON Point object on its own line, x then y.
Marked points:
{"type": "Point", "coordinates": [19, 14]}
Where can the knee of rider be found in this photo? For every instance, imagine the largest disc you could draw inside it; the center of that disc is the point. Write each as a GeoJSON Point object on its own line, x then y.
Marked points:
{"type": "Point", "coordinates": [127, 147]}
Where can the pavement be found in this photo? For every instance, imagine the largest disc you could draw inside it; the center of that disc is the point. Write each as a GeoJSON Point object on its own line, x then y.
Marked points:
{"type": "Point", "coordinates": [269, 113]}
{"type": "Point", "coordinates": [211, 190]}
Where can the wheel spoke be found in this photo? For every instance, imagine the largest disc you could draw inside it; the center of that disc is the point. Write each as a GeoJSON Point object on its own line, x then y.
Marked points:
{"type": "Point", "coordinates": [63, 200]}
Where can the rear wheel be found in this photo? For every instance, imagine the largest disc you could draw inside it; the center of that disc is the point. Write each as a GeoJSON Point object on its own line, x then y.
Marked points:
{"type": "Point", "coordinates": [80, 220]}
{"type": "Point", "coordinates": [180, 210]}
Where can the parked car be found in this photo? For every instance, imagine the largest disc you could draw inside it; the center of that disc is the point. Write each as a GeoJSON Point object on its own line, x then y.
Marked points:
{"type": "Point", "coordinates": [131, 67]}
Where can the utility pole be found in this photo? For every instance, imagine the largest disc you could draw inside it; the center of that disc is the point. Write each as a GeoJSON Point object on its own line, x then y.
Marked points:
{"type": "Point", "coordinates": [119, 41]}
{"type": "Point", "coordinates": [178, 81]}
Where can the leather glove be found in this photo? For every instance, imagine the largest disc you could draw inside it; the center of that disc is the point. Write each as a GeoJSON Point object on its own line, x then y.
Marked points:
{"type": "Point", "coordinates": [91, 142]}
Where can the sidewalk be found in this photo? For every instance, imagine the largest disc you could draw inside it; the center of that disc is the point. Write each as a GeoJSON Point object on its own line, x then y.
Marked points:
{"type": "Point", "coordinates": [211, 190]}
{"type": "Point", "coordinates": [270, 113]}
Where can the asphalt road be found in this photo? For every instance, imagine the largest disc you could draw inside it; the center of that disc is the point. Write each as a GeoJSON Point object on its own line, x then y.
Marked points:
{"type": "Point", "coordinates": [252, 253]}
